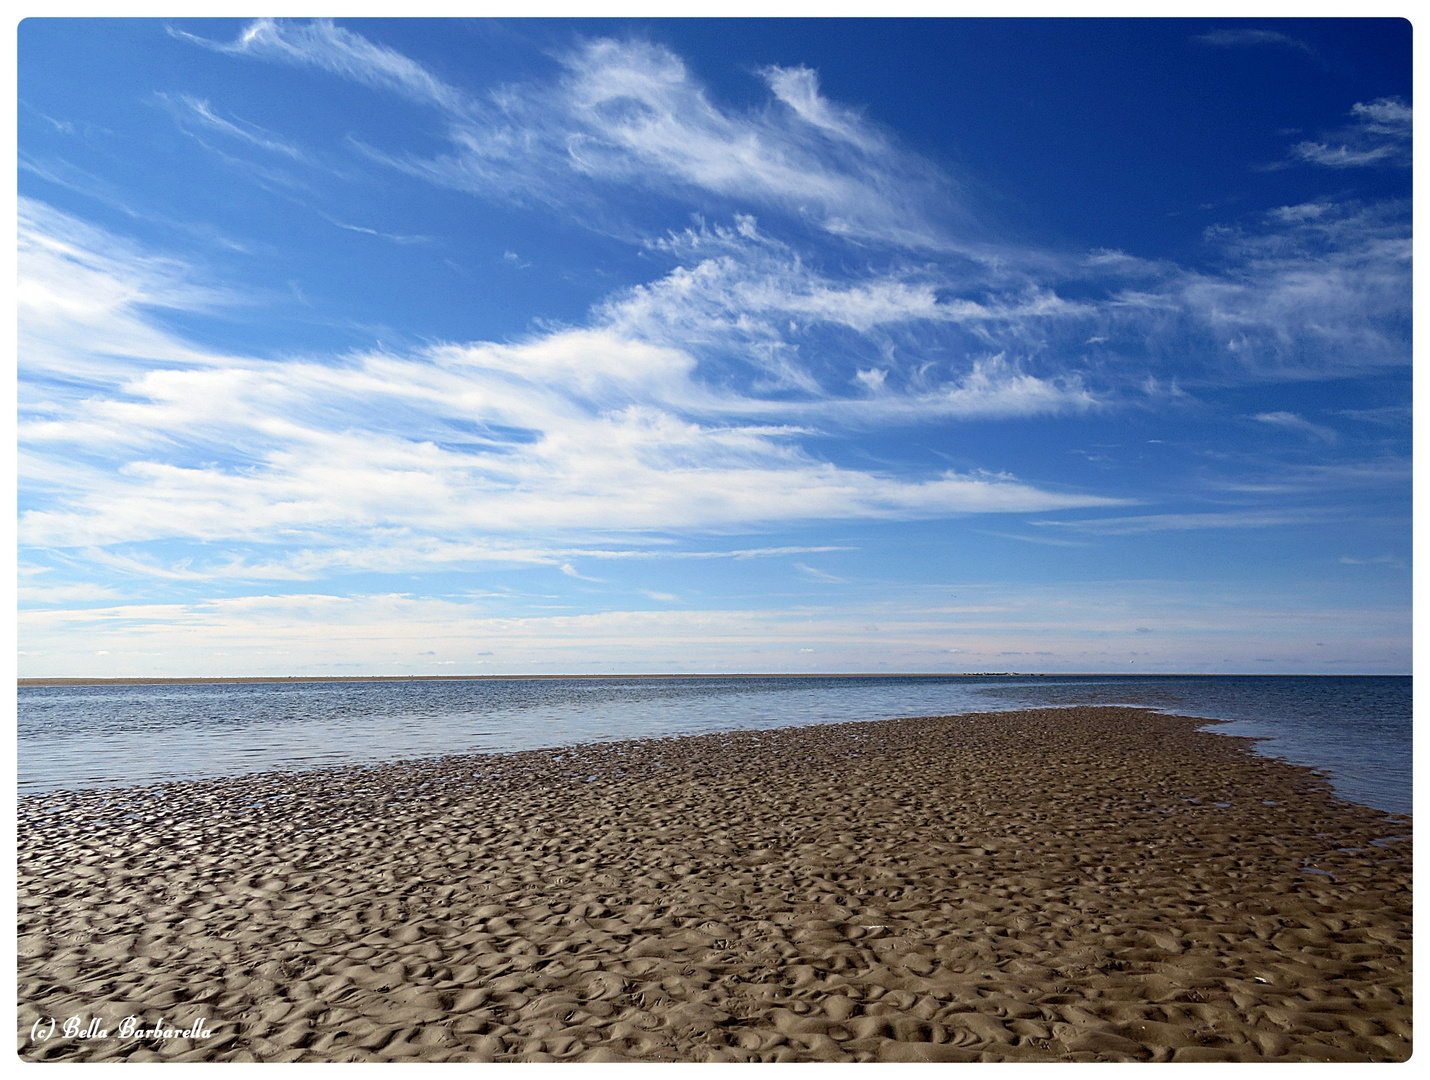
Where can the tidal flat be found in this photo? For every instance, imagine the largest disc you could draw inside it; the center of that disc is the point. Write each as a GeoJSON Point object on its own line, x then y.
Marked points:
{"type": "Point", "coordinates": [1063, 884]}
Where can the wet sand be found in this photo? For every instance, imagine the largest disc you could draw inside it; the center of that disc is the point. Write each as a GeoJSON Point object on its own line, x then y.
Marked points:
{"type": "Point", "coordinates": [1083, 884]}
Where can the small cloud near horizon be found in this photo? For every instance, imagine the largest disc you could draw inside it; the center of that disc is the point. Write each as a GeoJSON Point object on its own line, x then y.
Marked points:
{"type": "Point", "coordinates": [1237, 39]}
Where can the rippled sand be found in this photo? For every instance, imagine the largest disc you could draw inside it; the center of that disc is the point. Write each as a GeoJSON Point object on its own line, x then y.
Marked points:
{"type": "Point", "coordinates": [1084, 884]}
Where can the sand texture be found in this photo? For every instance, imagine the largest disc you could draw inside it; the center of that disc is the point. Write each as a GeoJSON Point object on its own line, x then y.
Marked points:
{"type": "Point", "coordinates": [1065, 884]}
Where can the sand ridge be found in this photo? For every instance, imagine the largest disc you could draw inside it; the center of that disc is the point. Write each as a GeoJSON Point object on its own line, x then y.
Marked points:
{"type": "Point", "coordinates": [1060, 884]}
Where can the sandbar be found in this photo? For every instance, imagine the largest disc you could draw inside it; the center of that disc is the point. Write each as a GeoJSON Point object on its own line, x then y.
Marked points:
{"type": "Point", "coordinates": [1072, 884]}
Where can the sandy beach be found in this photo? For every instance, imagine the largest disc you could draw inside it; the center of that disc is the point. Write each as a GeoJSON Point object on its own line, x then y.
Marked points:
{"type": "Point", "coordinates": [1090, 884]}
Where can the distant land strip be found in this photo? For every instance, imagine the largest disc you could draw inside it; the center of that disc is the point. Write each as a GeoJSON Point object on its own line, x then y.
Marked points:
{"type": "Point", "coordinates": [126, 681]}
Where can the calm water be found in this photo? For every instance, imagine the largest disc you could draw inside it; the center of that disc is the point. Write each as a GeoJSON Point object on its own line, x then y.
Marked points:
{"type": "Point", "coordinates": [1357, 728]}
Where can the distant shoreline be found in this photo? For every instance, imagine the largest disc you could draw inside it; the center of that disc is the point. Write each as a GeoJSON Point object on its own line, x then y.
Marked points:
{"type": "Point", "coordinates": [236, 679]}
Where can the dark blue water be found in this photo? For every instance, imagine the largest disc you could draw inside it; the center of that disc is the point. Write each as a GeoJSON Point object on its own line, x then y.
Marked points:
{"type": "Point", "coordinates": [1356, 728]}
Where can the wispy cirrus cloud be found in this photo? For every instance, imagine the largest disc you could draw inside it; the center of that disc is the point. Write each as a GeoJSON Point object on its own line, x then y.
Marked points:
{"type": "Point", "coordinates": [1320, 288]}
{"type": "Point", "coordinates": [85, 300]}
{"type": "Point", "coordinates": [1381, 473]}
{"type": "Point", "coordinates": [752, 301]}
{"type": "Point", "coordinates": [629, 113]}
{"type": "Point", "coordinates": [342, 52]}
{"type": "Point", "coordinates": [1374, 560]}
{"type": "Point", "coordinates": [571, 572]}
{"type": "Point", "coordinates": [191, 111]}
{"type": "Point", "coordinates": [1050, 541]}
{"type": "Point", "coordinates": [1251, 518]}
{"type": "Point", "coordinates": [81, 593]}
{"type": "Point", "coordinates": [1246, 38]}
{"type": "Point", "coordinates": [1299, 424]}
{"type": "Point", "coordinates": [396, 238]}
{"type": "Point", "coordinates": [1379, 134]}
{"type": "Point", "coordinates": [1392, 416]}
{"type": "Point", "coordinates": [397, 552]}
{"type": "Point", "coordinates": [1312, 290]}
{"type": "Point", "coordinates": [387, 459]}
{"type": "Point", "coordinates": [822, 576]}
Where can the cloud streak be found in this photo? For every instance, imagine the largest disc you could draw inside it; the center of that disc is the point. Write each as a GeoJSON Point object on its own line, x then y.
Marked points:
{"type": "Point", "coordinates": [1379, 134]}
{"type": "Point", "coordinates": [1217, 519]}
{"type": "Point", "coordinates": [1237, 39]}
{"type": "Point", "coordinates": [387, 459]}
{"type": "Point", "coordinates": [190, 110]}
{"type": "Point", "coordinates": [1292, 422]}
{"type": "Point", "coordinates": [631, 114]}
{"type": "Point", "coordinates": [341, 52]}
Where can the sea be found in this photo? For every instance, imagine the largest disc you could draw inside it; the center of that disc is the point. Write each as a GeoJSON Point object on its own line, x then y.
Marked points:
{"type": "Point", "coordinates": [1355, 729]}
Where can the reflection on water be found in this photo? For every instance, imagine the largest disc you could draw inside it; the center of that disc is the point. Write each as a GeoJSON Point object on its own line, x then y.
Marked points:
{"type": "Point", "coordinates": [1355, 727]}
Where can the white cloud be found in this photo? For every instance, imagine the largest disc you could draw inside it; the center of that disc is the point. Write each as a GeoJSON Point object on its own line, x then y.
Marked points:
{"type": "Point", "coordinates": [1344, 156]}
{"type": "Point", "coordinates": [396, 238]}
{"type": "Point", "coordinates": [1313, 295]}
{"type": "Point", "coordinates": [1215, 519]}
{"type": "Point", "coordinates": [820, 576]}
{"type": "Point", "coordinates": [741, 553]}
{"type": "Point", "coordinates": [1324, 288]}
{"type": "Point", "coordinates": [630, 112]}
{"type": "Point", "coordinates": [83, 592]}
{"type": "Point", "coordinates": [1320, 479]}
{"type": "Point", "coordinates": [390, 460]}
{"type": "Point", "coordinates": [505, 452]}
{"type": "Point", "coordinates": [1386, 415]}
{"type": "Point", "coordinates": [83, 295]}
{"type": "Point", "coordinates": [195, 110]}
{"type": "Point", "coordinates": [1320, 290]}
{"type": "Point", "coordinates": [738, 274]}
{"type": "Point", "coordinates": [1231, 39]}
{"type": "Point", "coordinates": [995, 387]}
{"type": "Point", "coordinates": [321, 44]}
{"type": "Point", "coordinates": [1375, 560]}
{"type": "Point", "coordinates": [1299, 424]}
{"type": "Point", "coordinates": [1051, 541]}
{"type": "Point", "coordinates": [1379, 134]}
{"type": "Point", "coordinates": [754, 299]}
{"type": "Point", "coordinates": [571, 572]}
{"type": "Point", "coordinates": [798, 88]}
{"type": "Point", "coordinates": [1384, 115]}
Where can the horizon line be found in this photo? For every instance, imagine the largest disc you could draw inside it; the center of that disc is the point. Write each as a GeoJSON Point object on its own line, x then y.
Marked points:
{"type": "Point", "coordinates": [241, 679]}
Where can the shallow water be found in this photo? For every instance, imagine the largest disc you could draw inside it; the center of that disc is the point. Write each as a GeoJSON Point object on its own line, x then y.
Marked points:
{"type": "Point", "coordinates": [1356, 728]}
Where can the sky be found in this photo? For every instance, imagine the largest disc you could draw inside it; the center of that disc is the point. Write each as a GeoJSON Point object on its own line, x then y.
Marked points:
{"type": "Point", "coordinates": [449, 347]}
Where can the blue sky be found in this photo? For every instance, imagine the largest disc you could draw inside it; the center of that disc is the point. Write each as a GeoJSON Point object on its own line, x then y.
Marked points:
{"type": "Point", "coordinates": [588, 346]}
